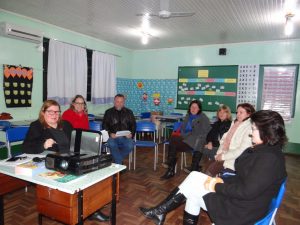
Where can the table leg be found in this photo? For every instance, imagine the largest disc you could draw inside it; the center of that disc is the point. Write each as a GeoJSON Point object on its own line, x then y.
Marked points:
{"type": "Point", "coordinates": [1, 210]}
{"type": "Point", "coordinates": [40, 219]}
{"type": "Point", "coordinates": [114, 201]}
{"type": "Point", "coordinates": [80, 208]}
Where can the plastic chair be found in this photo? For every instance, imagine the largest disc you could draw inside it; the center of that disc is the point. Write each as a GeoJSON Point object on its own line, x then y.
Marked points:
{"type": "Point", "coordinates": [91, 116]}
{"type": "Point", "coordinates": [95, 125]}
{"type": "Point", "coordinates": [4, 125]}
{"type": "Point", "coordinates": [145, 115]}
{"type": "Point", "coordinates": [269, 219]}
{"type": "Point", "coordinates": [149, 127]}
{"type": "Point", "coordinates": [14, 135]}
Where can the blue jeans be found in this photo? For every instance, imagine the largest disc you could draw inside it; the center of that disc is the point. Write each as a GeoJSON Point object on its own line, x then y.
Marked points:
{"type": "Point", "coordinates": [120, 147]}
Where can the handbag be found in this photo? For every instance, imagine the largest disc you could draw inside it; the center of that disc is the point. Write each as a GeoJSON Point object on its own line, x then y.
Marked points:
{"type": "Point", "coordinates": [176, 132]}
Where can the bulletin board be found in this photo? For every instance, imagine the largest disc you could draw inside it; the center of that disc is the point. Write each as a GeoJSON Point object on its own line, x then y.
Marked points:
{"type": "Point", "coordinates": [212, 85]}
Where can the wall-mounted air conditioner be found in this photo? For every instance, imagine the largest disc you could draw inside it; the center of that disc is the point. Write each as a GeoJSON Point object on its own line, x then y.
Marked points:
{"type": "Point", "coordinates": [19, 32]}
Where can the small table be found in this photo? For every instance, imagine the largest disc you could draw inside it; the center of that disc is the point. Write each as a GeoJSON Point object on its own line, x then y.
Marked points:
{"type": "Point", "coordinates": [70, 202]}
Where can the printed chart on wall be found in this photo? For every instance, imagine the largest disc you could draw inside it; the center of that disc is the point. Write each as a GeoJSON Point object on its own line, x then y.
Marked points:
{"type": "Point", "coordinates": [212, 85]}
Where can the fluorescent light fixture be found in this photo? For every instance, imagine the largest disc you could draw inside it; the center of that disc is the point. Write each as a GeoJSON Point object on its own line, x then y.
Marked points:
{"type": "Point", "coordinates": [289, 26]}
{"type": "Point", "coordinates": [145, 39]}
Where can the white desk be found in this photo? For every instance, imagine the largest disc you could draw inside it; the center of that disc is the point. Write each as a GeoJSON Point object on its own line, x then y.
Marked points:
{"type": "Point", "coordinates": [76, 189]}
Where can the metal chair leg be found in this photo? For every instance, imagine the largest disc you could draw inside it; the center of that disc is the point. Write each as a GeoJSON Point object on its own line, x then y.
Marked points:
{"type": "Point", "coordinates": [134, 158]}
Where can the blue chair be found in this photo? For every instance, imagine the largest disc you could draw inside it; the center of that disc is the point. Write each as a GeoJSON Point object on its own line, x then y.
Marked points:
{"type": "Point", "coordinates": [4, 125]}
{"type": "Point", "coordinates": [95, 125]}
{"type": "Point", "coordinates": [145, 115]}
{"type": "Point", "coordinates": [15, 135]}
{"type": "Point", "coordinates": [269, 219]}
{"type": "Point", "coordinates": [91, 116]}
{"type": "Point", "coordinates": [149, 127]}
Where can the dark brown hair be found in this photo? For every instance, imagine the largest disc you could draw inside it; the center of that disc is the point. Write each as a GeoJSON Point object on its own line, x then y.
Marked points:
{"type": "Point", "coordinates": [248, 107]}
{"type": "Point", "coordinates": [195, 102]}
{"type": "Point", "coordinates": [271, 127]}
{"type": "Point", "coordinates": [45, 106]}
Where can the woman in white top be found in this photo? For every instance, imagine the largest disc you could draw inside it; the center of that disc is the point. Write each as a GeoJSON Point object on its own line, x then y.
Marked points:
{"type": "Point", "coordinates": [233, 142]}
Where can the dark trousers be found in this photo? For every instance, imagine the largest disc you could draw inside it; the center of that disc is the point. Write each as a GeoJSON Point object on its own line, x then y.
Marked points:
{"type": "Point", "coordinates": [177, 145]}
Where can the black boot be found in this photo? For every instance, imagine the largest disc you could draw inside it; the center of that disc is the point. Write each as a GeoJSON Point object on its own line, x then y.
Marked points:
{"type": "Point", "coordinates": [99, 216]}
{"type": "Point", "coordinates": [195, 162]}
{"type": "Point", "coordinates": [158, 213]}
{"type": "Point", "coordinates": [189, 219]}
{"type": "Point", "coordinates": [171, 170]}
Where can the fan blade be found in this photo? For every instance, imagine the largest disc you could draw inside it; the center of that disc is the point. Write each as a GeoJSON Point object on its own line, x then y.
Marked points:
{"type": "Point", "coordinates": [164, 5]}
{"type": "Point", "coordinates": [144, 14]}
{"type": "Point", "coordinates": [181, 14]}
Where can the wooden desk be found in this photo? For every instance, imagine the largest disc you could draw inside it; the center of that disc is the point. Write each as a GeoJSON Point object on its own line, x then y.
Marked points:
{"type": "Point", "coordinates": [70, 202]}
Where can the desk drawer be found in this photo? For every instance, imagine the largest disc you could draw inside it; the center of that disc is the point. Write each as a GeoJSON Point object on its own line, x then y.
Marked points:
{"type": "Point", "coordinates": [9, 184]}
{"type": "Point", "coordinates": [64, 207]}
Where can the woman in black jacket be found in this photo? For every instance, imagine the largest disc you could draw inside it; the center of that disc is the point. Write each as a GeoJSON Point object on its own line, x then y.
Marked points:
{"type": "Point", "coordinates": [244, 198]}
{"type": "Point", "coordinates": [49, 132]}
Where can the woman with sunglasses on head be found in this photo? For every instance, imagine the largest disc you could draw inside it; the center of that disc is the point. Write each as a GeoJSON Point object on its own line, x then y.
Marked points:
{"type": "Point", "coordinates": [240, 199]}
{"type": "Point", "coordinates": [77, 113]}
{"type": "Point", "coordinates": [49, 132]}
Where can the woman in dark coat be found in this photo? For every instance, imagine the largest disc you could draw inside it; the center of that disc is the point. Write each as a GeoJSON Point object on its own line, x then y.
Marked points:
{"type": "Point", "coordinates": [244, 198]}
{"type": "Point", "coordinates": [193, 132]}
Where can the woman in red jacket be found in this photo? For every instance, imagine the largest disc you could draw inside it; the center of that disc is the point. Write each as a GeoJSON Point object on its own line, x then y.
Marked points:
{"type": "Point", "coordinates": [77, 113]}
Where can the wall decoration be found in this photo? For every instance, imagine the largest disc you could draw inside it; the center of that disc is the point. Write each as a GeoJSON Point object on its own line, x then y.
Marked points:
{"type": "Point", "coordinates": [212, 85]}
{"type": "Point", "coordinates": [140, 85]}
{"type": "Point", "coordinates": [166, 88]}
{"type": "Point", "coordinates": [17, 85]}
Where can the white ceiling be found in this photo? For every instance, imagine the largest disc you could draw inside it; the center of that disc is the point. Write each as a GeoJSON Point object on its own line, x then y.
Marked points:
{"type": "Point", "coordinates": [215, 21]}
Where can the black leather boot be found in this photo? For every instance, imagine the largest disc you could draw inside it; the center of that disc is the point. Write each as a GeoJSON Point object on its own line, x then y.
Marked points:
{"type": "Point", "coordinates": [195, 162]}
{"type": "Point", "coordinates": [158, 213]}
{"type": "Point", "coordinates": [171, 170]}
{"type": "Point", "coordinates": [99, 216]}
{"type": "Point", "coordinates": [189, 219]}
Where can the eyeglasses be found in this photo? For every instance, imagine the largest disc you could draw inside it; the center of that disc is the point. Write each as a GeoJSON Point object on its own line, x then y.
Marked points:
{"type": "Point", "coordinates": [79, 103]}
{"type": "Point", "coordinates": [51, 112]}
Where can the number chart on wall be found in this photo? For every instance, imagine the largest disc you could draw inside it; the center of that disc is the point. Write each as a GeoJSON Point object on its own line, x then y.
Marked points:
{"type": "Point", "coordinates": [212, 85]}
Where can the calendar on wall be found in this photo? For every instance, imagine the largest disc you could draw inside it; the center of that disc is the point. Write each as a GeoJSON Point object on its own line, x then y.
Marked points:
{"type": "Point", "coordinates": [247, 88]}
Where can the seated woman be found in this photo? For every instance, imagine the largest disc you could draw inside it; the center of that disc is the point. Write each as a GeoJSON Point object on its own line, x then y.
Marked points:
{"type": "Point", "coordinates": [220, 127]}
{"type": "Point", "coordinates": [77, 113]}
{"type": "Point", "coordinates": [192, 137]}
{"type": "Point", "coordinates": [49, 132]}
{"type": "Point", "coordinates": [240, 199]}
{"type": "Point", "coordinates": [233, 142]}
{"type": "Point", "coordinates": [52, 133]}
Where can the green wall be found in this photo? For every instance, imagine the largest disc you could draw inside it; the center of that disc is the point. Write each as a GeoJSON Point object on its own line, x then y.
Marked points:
{"type": "Point", "coordinates": [141, 64]}
{"type": "Point", "coordinates": [163, 63]}
{"type": "Point", "coordinates": [18, 52]}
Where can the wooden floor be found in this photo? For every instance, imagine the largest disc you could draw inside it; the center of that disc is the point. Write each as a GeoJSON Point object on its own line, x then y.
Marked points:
{"type": "Point", "coordinates": [143, 187]}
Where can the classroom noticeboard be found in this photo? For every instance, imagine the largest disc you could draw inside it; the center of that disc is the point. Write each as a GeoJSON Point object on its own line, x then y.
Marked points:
{"type": "Point", "coordinates": [212, 85]}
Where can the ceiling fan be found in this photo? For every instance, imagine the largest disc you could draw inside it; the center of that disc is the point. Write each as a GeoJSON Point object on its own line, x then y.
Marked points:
{"type": "Point", "coordinates": [164, 12]}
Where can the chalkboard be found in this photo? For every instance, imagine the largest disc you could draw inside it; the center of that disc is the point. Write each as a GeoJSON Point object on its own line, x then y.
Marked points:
{"type": "Point", "coordinates": [212, 85]}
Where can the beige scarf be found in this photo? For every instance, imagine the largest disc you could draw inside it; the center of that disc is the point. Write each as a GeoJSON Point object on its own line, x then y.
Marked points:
{"type": "Point", "coordinates": [229, 136]}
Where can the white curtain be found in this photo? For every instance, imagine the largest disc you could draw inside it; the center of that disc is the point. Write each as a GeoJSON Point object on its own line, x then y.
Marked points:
{"type": "Point", "coordinates": [103, 78]}
{"type": "Point", "coordinates": [67, 72]}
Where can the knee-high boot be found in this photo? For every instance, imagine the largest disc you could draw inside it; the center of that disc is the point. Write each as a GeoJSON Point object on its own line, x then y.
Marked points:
{"type": "Point", "coordinates": [196, 160]}
{"type": "Point", "coordinates": [189, 219]}
{"type": "Point", "coordinates": [158, 213]}
{"type": "Point", "coordinates": [171, 169]}
{"type": "Point", "coordinates": [171, 163]}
